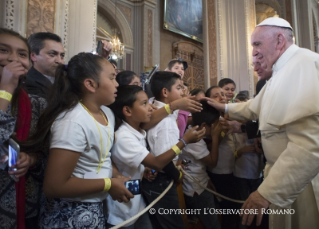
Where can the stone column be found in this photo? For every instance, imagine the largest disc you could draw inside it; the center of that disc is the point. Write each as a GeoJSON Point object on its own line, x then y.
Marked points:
{"type": "Point", "coordinates": [81, 26]}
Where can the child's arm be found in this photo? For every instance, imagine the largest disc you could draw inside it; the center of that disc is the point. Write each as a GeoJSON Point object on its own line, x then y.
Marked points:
{"type": "Point", "coordinates": [58, 182]}
{"type": "Point", "coordinates": [160, 161]}
{"type": "Point", "coordinates": [212, 159]}
{"type": "Point", "coordinates": [246, 149]}
{"type": "Point", "coordinates": [187, 104]}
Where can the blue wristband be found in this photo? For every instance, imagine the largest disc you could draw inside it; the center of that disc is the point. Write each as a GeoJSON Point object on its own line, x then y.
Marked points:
{"type": "Point", "coordinates": [183, 141]}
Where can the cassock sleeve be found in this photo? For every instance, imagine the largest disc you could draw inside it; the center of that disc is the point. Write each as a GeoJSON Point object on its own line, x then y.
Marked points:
{"type": "Point", "coordinates": [297, 165]}
{"type": "Point", "coordinates": [242, 111]}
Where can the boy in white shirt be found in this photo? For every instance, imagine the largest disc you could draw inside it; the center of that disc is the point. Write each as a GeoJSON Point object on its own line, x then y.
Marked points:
{"type": "Point", "coordinates": [130, 154]}
{"type": "Point", "coordinates": [199, 157]}
{"type": "Point", "coordinates": [166, 87]}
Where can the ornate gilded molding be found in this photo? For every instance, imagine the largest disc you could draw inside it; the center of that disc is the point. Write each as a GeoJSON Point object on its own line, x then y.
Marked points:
{"type": "Point", "coordinates": [9, 15]}
{"type": "Point", "coordinates": [66, 26]}
{"type": "Point", "coordinates": [94, 25]}
{"type": "Point", "coordinates": [40, 16]}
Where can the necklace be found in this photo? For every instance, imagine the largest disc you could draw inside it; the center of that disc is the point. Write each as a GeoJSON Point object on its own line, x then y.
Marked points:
{"type": "Point", "coordinates": [102, 159]}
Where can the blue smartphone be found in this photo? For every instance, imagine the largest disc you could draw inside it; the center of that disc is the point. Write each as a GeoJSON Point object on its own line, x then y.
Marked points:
{"type": "Point", "coordinates": [133, 186]}
{"type": "Point", "coordinates": [153, 171]}
{"type": "Point", "coordinates": [14, 151]}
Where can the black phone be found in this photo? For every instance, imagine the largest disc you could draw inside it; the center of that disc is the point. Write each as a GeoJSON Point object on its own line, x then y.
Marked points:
{"type": "Point", "coordinates": [99, 48]}
{"type": "Point", "coordinates": [14, 154]}
{"type": "Point", "coordinates": [134, 186]}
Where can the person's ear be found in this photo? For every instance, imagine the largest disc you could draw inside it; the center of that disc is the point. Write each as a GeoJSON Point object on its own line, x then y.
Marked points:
{"type": "Point", "coordinates": [90, 85]}
{"type": "Point", "coordinates": [165, 92]}
{"type": "Point", "coordinates": [33, 57]}
{"type": "Point", "coordinates": [202, 125]}
{"type": "Point", "coordinates": [281, 40]}
{"type": "Point", "coordinates": [127, 111]}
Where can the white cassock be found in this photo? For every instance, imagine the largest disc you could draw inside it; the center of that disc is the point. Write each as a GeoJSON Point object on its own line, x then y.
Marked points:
{"type": "Point", "coordinates": [288, 112]}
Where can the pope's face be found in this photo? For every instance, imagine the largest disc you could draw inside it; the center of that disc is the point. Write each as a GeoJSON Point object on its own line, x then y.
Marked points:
{"type": "Point", "coordinates": [264, 42]}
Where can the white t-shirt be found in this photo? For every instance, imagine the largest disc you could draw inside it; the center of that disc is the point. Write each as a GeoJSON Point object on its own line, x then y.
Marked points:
{"type": "Point", "coordinates": [128, 152]}
{"type": "Point", "coordinates": [77, 131]}
{"type": "Point", "coordinates": [248, 165]}
{"type": "Point", "coordinates": [226, 157]}
{"type": "Point", "coordinates": [164, 135]}
{"type": "Point", "coordinates": [194, 152]}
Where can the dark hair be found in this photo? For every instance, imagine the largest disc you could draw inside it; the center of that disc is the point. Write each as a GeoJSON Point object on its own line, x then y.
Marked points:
{"type": "Point", "coordinates": [196, 91]}
{"type": "Point", "coordinates": [65, 94]}
{"type": "Point", "coordinates": [162, 79]}
{"type": "Point", "coordinates": [207, 93]}
{"type": "Point", "coordinates": [260, 85]}
{"type": "Point", "coordinates": [208, 115]}
{"type": "Point", "coordinates": [225, 81]}
{"type": "Point", "coordinates": [126, 96]}
{"type": "Point", "coordinates": [125, 77]}
{"type": "Point", "coordinates": [36, 40]}
{"type": "Point", "coordinates": [16, 93]}
{"type": "Point", "coordinates": [241, 97]}
{"type": "Point", "coordinates": [173, 62]}
{"type": "Point", "coordinates": [112, 61]}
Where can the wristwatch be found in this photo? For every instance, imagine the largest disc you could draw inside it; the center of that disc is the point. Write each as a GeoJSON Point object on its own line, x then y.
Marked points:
{"type": "Point", "coordinates": [243, 128]}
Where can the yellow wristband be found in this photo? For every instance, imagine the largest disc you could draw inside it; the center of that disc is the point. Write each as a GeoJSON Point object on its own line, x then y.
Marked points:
{"type": "Point", "coordinates": [107, 184]}
{"type": "Point", "coordinates": [180, 174]}
{"type": "Point", "coordinates": [176, 149]}
{"type": "Point", "coordinates": [236, 155]}
{"type": "Point", "coordinates": [168, 109]}
{"type": "Point", "coordinates": [222, 134]}
{"type": "Point", "coordinates": [5, 95]}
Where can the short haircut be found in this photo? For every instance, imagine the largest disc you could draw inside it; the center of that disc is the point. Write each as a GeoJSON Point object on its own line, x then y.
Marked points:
{"type": "Point", "coordinates": [125, 77]}
{"type": "Point", "coordinates": [162, 79]}
{"type": "Point", "coordinates": [173, 62]}
{"type": "Point", "coordinates": [207, 93]}
{"type": "Point", "coordinates": [196, 91]}
{"type": "Point", "coordinates": [241, 97]}
{"type": "Point", "coordinates": [225, 81]}
{"type": "Point", "coordinates": [208, 115]}
{"type": "Point", "coordinates": [36, 40]}
{"type": "Point", "coordinates": [112, 61]}
{"type": "Point", "coordinates": [126, 96]}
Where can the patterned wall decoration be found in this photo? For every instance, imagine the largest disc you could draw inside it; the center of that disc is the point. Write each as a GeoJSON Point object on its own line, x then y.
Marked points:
{"type": "Point", "coordinates": [127, 12]}
{"type": "Point", "coordinates": [150, 38]}
{"type": "Point", "coordinates": [9, 16]}
{"type": "Point", "coordinates": [212, 43]}
{"type": "Point", "coordinates": [193, 54]}
{"type": "Point", "coordinates": [66, 26]}
{"type": "Point", "coordinates": [40, 16]}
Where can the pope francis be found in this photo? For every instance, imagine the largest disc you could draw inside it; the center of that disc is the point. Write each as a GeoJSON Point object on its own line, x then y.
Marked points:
{"type": "Point", "coordinates": [288, 111]}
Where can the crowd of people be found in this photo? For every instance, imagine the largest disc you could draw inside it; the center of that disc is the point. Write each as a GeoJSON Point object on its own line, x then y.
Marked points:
{"type": "Point", "coordinates": [85, 128]}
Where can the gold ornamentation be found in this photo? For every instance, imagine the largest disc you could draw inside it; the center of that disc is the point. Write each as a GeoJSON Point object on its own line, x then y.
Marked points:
{"type": "Point", "coordinates": [40, 16]}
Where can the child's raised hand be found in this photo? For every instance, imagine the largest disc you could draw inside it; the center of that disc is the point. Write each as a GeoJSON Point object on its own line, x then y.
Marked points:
{"type": "Point", "coordinates": [187, 104]}
{"type": "Point", "coordinates": [192, 135]}
{"type": "Point", "coordinates": [118, 191]}
{"type": "Point", "coordinates": [11, 74]}
{"type": "Point", "coordinates": [107, 48]}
